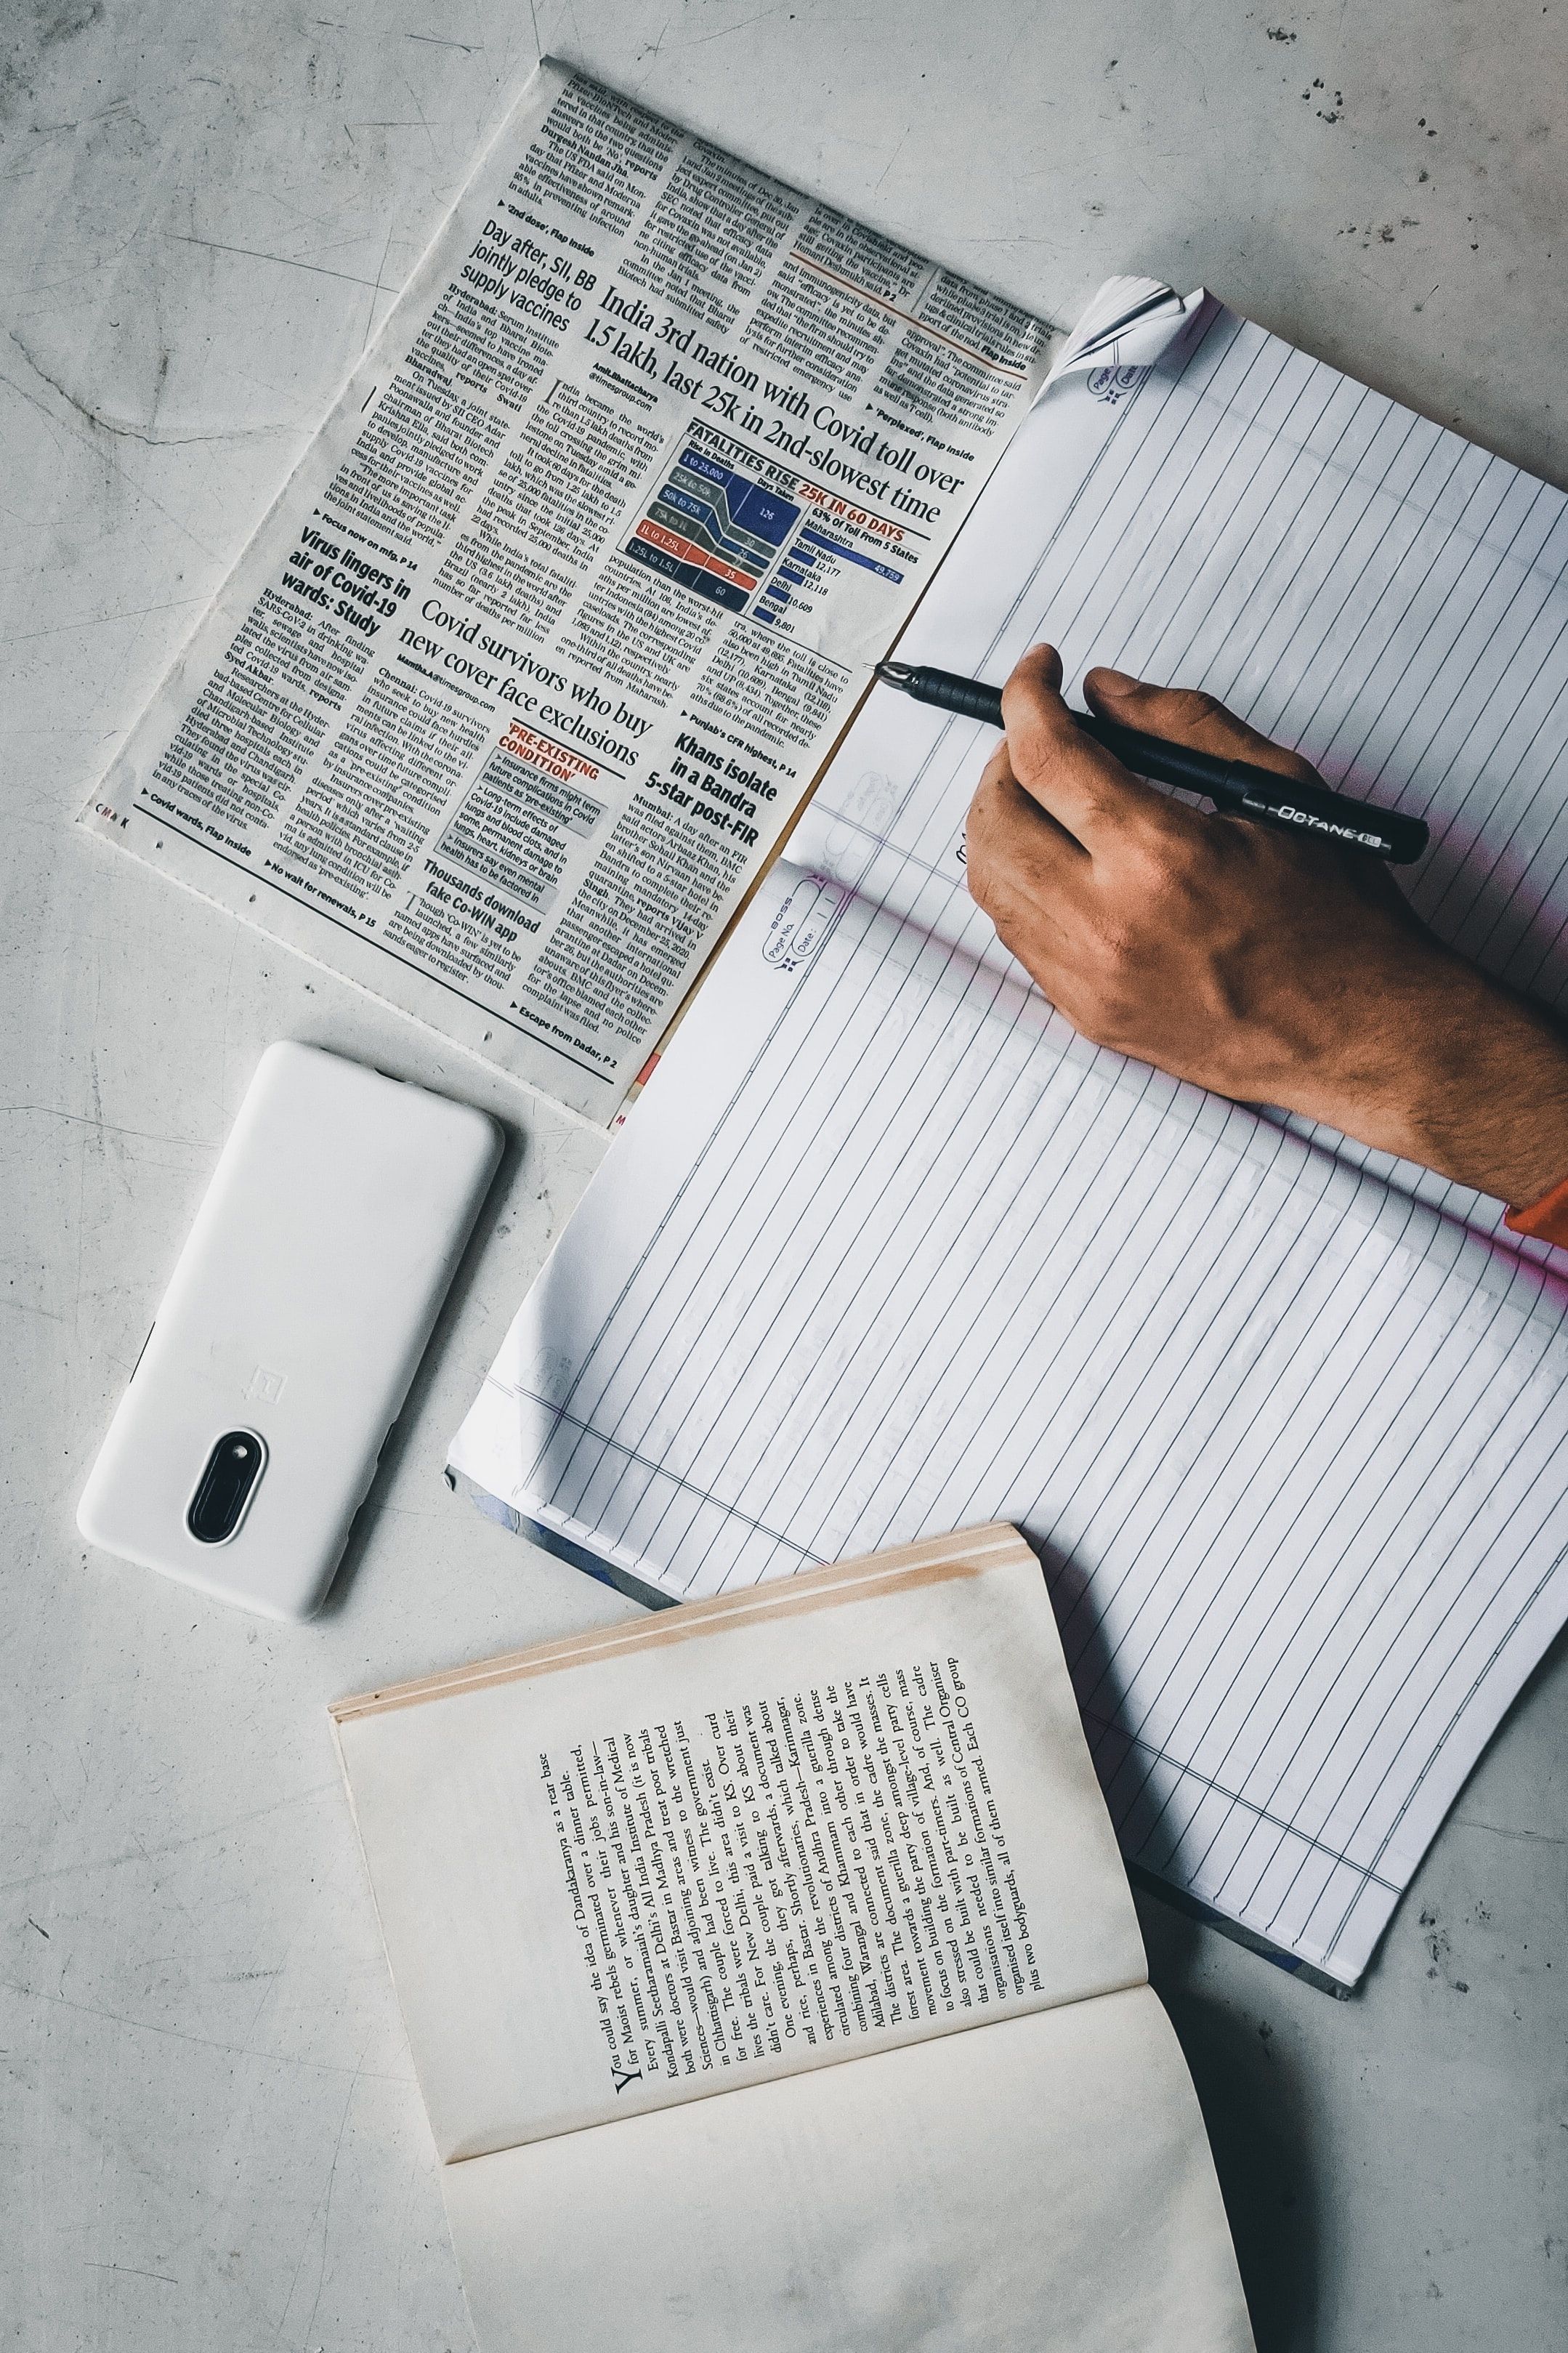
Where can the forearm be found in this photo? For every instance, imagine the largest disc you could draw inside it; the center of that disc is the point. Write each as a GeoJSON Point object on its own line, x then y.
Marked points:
{"type": "Point", "coordinates": [1478, 1087]}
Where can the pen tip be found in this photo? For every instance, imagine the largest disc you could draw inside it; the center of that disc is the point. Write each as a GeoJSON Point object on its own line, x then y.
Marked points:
{"type": "Point", "coordinates": [892, 673]}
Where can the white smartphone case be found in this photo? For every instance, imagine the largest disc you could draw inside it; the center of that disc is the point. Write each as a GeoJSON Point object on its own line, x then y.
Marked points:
{"type": "Point", "coordinates": [297, 1315]}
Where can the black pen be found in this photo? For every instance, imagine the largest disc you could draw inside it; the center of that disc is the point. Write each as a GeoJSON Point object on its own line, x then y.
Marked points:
{"type": "Point", "coordinates": [1233, 784]}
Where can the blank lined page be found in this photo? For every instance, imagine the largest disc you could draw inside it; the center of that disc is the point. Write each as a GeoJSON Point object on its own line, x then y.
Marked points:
{"type": "Point", "coordinates": [887, 1249]}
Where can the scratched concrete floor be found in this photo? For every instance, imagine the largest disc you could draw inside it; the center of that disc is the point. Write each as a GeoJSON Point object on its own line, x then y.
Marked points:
{"type": "Point", "coordinates": [210, 2141]}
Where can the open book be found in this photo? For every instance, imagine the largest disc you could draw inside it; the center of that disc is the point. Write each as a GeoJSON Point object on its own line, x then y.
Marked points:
{"type": "Point", "coordinates": [772, 1980]}
{"type": "Point", "coordinates": [887, 1249]}
{"type": "Point", "coordinates": [514, 691]}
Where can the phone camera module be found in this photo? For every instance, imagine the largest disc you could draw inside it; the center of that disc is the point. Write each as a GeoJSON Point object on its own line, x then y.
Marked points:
{"type": "Point", "coordinates": [225, 1486]}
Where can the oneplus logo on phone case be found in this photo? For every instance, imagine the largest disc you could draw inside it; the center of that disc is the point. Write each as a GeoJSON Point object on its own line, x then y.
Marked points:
{"type": "Point", "coordinates": [267, 1387]}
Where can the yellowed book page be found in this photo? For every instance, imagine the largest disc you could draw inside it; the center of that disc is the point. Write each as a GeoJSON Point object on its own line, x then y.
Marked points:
{"type": "Point", "coordinates": [761, 1835]}
{"type": "Point", "coordinates": [1043, 2185]}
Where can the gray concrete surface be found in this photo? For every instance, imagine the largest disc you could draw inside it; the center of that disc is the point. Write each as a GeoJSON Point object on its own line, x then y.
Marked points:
{"type": "Point", "coordinates": [210, 2141]}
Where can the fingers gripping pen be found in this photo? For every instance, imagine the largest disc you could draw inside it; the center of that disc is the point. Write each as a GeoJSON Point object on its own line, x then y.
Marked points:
{"type": "Point", "coordinates": [1237, 785]}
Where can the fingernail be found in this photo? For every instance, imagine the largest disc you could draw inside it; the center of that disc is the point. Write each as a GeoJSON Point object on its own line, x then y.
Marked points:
{"type": "Point", "coordinates": [1114, 682]}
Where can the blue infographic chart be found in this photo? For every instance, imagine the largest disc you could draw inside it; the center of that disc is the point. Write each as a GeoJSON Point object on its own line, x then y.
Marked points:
{"type": "Point", "coordinates": [712, 528]}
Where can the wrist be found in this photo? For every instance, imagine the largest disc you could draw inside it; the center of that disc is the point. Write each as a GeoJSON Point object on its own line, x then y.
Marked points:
{"type": "Point", "coordinates": [1475, 1087]}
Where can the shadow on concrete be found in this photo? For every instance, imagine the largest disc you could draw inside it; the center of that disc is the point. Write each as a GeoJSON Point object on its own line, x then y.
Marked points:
{"type": "Point", "coordinates": [1257, 2106]}
{"type": "Point", "coordinates": [514, 1151]}
{"type": "Point", "coordinates": [1255, 2102]}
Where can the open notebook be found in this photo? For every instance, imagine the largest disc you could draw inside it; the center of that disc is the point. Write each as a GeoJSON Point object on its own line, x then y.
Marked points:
{"type": "Point", "coordinates": [772, 1981]}
{"type": "Point", "coordinates": [886, 1248]}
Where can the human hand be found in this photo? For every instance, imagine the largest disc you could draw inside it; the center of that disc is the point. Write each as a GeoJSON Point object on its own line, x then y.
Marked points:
{"type": "Point", "coordinates": [1267, 967]}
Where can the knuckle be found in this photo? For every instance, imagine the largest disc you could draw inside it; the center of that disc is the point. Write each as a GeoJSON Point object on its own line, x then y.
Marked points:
{"type": "Point", "coordinates": [979, 830]}
{"type": "Point", "coordinates": [1117, 954]}
{"type": "Point", "coordinates": [1194, 704]}
{"type": "Point", "coordinates": [1009, 932]}
{"type": "Point", "coordinates": [1109, 955]}
{"type": "Point", "coordinates": [982, 883]}
{"type": "Point", "coordinates": [988, 810]}
{"type": "Point", "coordinates": [1095, 1011]}
{"type": "Point", "coordinates": [988, 874]}
{"type": "Point", "coordinates": [1167, 862]}
{"type": "Point", "coordinates": [1183, 856]}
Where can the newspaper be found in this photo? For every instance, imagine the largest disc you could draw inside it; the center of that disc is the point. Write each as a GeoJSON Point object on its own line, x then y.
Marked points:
{"type": "Point", "coordinates": [520, 680]}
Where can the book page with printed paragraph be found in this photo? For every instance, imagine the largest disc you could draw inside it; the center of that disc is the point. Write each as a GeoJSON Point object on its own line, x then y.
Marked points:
{"type": "Point", "coordinates": [734, 1842]}
{"type": "Point", "coordinates": [1040, 2186]}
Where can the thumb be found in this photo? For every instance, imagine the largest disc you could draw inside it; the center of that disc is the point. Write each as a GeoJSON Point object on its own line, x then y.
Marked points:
{"type": "Point", "coordinates": [1090, 795]}
{"type": "Point", "coordinates": [1180, 714]}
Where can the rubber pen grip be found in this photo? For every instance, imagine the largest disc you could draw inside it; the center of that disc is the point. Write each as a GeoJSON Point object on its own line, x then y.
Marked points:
{"type": "Point", "coordinates": [967, 698]}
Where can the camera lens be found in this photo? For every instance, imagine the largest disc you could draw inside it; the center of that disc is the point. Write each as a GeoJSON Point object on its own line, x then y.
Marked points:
{"type": "Point", "coordinates": [225, 1486]}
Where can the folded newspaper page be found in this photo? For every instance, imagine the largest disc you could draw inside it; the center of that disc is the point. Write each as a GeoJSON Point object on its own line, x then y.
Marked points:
{"type": "Point", "coordinates": [525, 673]}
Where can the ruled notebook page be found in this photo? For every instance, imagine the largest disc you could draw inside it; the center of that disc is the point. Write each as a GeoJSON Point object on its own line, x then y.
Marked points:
{"type": "Point", "coordinates": [887, 1249]}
